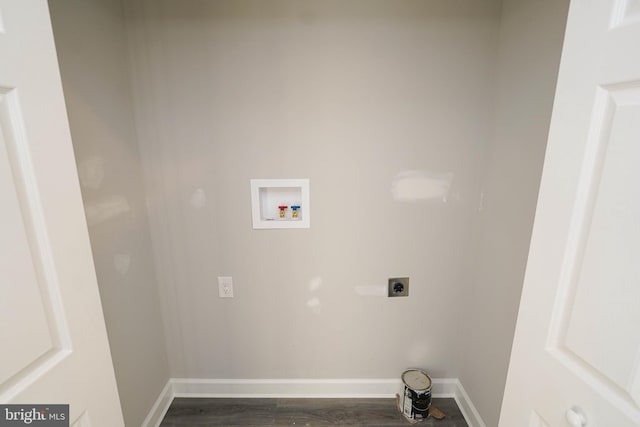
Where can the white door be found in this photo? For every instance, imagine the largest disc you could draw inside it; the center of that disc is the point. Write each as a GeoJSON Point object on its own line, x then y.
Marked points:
{"type": "Point", "coordinates": [53, 343]}
{"type": "Point", "coordinates": [576, 353]}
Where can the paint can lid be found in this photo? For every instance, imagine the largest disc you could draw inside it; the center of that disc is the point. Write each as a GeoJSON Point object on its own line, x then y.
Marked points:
{"type": "Point", "coordinates": [416, 379]}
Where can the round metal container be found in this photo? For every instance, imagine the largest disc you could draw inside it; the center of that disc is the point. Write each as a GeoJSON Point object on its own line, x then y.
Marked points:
{"type": "Point", "coordinates": [416, 394]}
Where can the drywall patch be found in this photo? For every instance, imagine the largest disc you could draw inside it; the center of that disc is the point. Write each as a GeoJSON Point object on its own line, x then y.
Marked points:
{"type": "Point", "coordinates": [198, 199]}
{"type": "Point", "coordinates": [91, 172]}
{"type": "Point", "coordinates": [315, 283]}
{"type": "Point", "coordinates": [314, 304]}
{"type": "Point", "coordinates": [122, 263]}
{"type": "Point", "coordinates": [2, 27]}
{"type": "Point", "coordinates": [416, 185]}
{"type": "Point", "coordinates": [105, 208]}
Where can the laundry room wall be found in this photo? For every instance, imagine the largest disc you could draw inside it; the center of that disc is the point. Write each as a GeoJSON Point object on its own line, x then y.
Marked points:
{"type": "Point", "coordinates": [385, 106]}
{"type": "Point", "coordinates": [91, 44]}
{"type": "Point", "coordinates": [421, 127]}
{"type": "Point", "coordinates": [531, 35]}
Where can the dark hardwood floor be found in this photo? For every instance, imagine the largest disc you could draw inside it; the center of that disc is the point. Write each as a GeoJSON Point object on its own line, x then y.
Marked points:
{"type": "Point", "coordinates": [199, 412]}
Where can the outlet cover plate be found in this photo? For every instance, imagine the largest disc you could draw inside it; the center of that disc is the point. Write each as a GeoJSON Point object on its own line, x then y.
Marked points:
{"type": "Point", "coordinates": [398, 287]}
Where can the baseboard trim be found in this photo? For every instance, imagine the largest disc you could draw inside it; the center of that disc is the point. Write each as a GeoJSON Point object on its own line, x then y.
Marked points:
{"type": "Point", "coordinates": [302, 388]}
{"type": "Point", "coordinates": [160, 407]}
{"type": "Point", "coordinates": [468, 409]}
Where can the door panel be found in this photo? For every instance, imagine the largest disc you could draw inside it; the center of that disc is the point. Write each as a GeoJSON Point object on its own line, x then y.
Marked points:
{"type": "Point", "coordinates": [54, 343]}
{"type": "Point", "coordinates": [625, 12]}
{"type": "Point", "coordinates": [537, 421]}
{"type": "Point", "coordinates": [601, 272]}
{"type": "Point", "coordinates": [598, 332]}
{"type": "Point", "coordinates": [577, 343]}
{"type": "Point", "coordinates": [29, 304]}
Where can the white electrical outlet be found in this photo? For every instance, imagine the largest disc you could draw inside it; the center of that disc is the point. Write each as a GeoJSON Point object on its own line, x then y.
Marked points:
{"type": "Point", "coordinates": [225, 287]}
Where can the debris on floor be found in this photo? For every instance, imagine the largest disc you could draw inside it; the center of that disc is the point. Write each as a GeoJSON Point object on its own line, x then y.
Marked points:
{"type": "Point", "coordinates": [436, 413]}
{"type": "Point", "coordinates": [433, 412]}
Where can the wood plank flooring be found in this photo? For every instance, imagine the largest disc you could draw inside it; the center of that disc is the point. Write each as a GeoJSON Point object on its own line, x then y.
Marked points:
{"type": "Point", "coordinates": [198, 412]}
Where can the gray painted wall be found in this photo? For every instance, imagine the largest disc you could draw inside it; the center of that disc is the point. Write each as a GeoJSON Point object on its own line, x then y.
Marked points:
{"type": "Point", "coordinates": [530, 42]}
{"type": "Point", "coordinates": [355, 95]}
{"type": "Point", "coordinates": [92, 51]}
{"type": "Point", "coordinates": [350, 94]}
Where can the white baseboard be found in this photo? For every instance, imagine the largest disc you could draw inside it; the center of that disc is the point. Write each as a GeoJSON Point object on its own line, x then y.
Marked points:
{"type": "Point", "coordinates": [310, 388]}
{"type": "Point", "coordinates": [303, 388]}
{"type": "Point", "coordinates": [160, 407]}
{"type": "Point", "coordinates": [467, 407]}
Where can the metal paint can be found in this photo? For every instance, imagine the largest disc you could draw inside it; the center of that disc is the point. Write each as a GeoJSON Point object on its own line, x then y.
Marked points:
{"type": "Point", "coordinates": [416, 394]}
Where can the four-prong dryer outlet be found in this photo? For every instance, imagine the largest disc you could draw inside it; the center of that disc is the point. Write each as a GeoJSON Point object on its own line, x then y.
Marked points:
{"type": "Point", "coordinates": [399, 287]}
